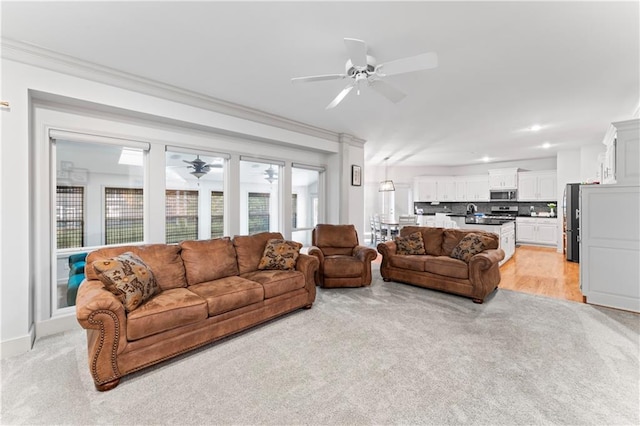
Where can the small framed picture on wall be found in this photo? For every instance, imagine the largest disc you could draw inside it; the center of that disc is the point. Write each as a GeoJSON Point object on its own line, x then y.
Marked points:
{"type": "Point", "coordinates": [356, 175]}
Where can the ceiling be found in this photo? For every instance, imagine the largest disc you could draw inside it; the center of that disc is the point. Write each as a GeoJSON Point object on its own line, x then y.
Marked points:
{"type": "Point", "coordinates": [570, 67]}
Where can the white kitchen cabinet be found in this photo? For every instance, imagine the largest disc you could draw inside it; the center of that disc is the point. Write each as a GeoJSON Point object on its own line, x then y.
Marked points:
{"type": "Point", "coordinates": [537, 186]}
{"type": "Point", "coordinates": [503, 179]}
{"type": "Point", "coordinates": [610, 245]}
{"type": "Point", "coordinates": [477, 188]}
{"type": "Point", "coordinates": [425, 189]}
{"type": "Point", "coordinates": [445, 188]}
{"type": "Point", "coordinates": [627, 152]}
{"type": "Point", "coordinates": [537, 230]}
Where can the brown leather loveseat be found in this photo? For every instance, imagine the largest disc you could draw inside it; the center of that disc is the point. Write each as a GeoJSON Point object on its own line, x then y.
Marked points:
{"type": "Point", "coordinates": [207, 290]}
{"type": "Point", "coordinates": [437, 269]}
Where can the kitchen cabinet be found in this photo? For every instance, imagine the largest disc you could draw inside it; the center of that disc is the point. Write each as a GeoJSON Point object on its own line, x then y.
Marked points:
{"type": "Point", "coordinates": [446, 189]}
{"type": "Point", "coordinates": [537, 230]}
{"type": "Point", "coordinates": [503, 179]}
{"type": "Point", "coordinates": [477, 188]}
{"type": "Point", "coordinates": [425, 189]}
{"type": "Point", "coordinates": [537, 186]}
{"type": "Point", "coordinates": [626, 146]}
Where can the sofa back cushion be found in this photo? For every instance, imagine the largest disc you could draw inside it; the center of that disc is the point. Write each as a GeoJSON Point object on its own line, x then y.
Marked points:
{"type": "Point", "coordinates": [208, 260]}
{"type": "Point", "coordinates": [249, 249]}
{"type": "Point", "coordinates": [163, 259]}
{"type": "Point", "coordinates": [453, 236]}
{"type": "Point", "coordinates": [431, 238]}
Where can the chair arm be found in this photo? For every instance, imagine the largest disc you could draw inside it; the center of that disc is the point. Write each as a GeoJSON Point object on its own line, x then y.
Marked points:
{"type": "Point", "coordinates": [308, 265]}
{"type": "Point", "coordinates": [318, 254]}
{"type": "Point", "coordinates": [365, 254]}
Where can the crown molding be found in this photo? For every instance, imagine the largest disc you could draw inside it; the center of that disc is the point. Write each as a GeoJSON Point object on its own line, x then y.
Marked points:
{"type": "Point", "coordinates": [43, 58]}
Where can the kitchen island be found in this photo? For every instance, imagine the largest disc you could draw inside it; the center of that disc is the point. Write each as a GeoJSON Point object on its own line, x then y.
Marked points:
{"type": "Point", "coordinates": [506, 231]}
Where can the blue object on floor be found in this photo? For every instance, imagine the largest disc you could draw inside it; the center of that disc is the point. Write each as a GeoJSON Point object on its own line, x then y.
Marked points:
{"type": "Point", "coordinates": [77, 263]}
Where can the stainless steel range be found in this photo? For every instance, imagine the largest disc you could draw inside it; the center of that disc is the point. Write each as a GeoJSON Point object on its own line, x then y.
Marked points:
{"type": "Point", "coordinates": [498, 216]}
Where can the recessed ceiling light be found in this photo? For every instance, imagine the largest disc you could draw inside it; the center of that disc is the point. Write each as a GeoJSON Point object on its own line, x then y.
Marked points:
{"type": "Point", "coordinates": [546, 145]}
{"type": "Point", "coordinates": [535, 127]}
{"type": "Point", "coordinates": [485, 159]}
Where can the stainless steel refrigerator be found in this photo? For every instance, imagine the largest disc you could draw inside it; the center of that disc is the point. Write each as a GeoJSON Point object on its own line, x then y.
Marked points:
{"type": "Point", "coordinates": [571, 204]}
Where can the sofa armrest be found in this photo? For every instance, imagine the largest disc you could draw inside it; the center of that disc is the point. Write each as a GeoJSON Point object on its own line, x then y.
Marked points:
{"type": "Point", "coordinates": [484, 260]}
{"type": "Point", "coordinates": [386, 249]}
{"type": "Point", "coordinates": [365, 254]}
{"type": "Point", "coordinates": [308, 265]}
{"type": "Point", "coordinates": [484, 271]}
{"type": "Point", "coordinates": [103, 315]}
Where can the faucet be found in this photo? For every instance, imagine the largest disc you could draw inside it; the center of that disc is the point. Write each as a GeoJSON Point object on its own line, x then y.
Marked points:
{"type": "Point", "coordinates": [471, 208]}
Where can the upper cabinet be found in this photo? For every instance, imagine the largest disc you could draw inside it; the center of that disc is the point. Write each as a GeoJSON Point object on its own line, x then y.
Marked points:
{"type": "Point", "coordinates": [425, 188]}
{"type": "Point", "coordinates": [503, 179]}
{"type": "Point", "coordinates": [624, 153]}
{"type": "Point", "coordinates": [537, 186]}
{"type": "Point", "coordinates": [451, 188]}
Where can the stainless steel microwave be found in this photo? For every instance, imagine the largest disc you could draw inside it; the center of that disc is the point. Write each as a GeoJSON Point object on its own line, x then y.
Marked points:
{"type": "Point", "coordinates": [502, 195]}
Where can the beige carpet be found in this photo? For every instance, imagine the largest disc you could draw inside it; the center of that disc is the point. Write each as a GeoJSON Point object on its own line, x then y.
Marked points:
{"type": "Point", "coordinates": [387, 354]}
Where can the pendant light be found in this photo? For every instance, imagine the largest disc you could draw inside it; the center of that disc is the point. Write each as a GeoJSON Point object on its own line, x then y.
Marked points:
{"type": "Point", "coordinates": [387, 184]}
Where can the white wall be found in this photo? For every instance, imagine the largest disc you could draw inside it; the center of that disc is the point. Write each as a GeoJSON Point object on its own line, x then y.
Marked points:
{"type": "Point", "coordinates": [116, 106]}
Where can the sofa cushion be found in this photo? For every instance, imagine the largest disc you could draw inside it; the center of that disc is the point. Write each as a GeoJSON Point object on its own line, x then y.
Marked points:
{"type": "Point", "coordinates": [447, 266]}
{"type": "Point", "coordinates": [280, 254]}
{"type": "Point", "coordinates": [277, 282]}
{"type": "Point", "coordinates": [249, 249]}
{"type": "Point", "coordinates": [411, 262]}
{"type": "Point", "coordinates": [453, 236]}
{"type": "Point", "coordinates": [163, 259]}
{"type": "Point", "coordinates": [168, 310]}
{"type": "Point", "coordinates": [208, 260]}
{"type": "Point", "coordinates": [411, 244]}
{"type": "Point", "coordinates": [229, 293]}
{"type": "Point", "coordinates": [342, 267]}
{"type": "Point", "coordinates": [431, 237]}
{"type": "Point", "coordinates": [470, 245]}
{"type": "Point", "coordinates": [129, 278]}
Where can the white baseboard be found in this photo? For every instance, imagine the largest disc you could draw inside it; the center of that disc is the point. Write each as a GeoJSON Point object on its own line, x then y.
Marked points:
{"type": "Point", "coordinates": [57, 325]}
{"type": "Point", "coordinates": [17, 346]}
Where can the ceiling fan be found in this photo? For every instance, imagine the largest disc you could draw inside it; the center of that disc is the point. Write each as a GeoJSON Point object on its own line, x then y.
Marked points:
{"type": "Point", "coordinates": [271, 174]}
{"type": "Point", "coordinates": [199, 167]}
{"type": "Point", "coordinates": [362, 70]}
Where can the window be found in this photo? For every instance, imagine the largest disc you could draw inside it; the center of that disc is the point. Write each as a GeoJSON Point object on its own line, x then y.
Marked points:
{"type": "Point", "coordinates": [258, 212]}
{"type": "Point", "coordinates": [124, 220]}
{"type": "Point", "coordinates": [304, 205]}
{"type": "Point", "coordinates": [69, 216]}
{"type": "Point", "coordinates": [181, 215]}
{"type": "Point", "coordinates": [217, 214]}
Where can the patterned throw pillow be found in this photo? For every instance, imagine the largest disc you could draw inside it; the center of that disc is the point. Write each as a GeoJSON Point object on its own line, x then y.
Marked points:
{"type": "Point", "coordinates": [470, 245]}
{"type": "Point", "coordinates": [280, 254]}
{"type": "Point", "coordinates": [411, 244]}
{"type": "Point", "coordinates": [128, 277]}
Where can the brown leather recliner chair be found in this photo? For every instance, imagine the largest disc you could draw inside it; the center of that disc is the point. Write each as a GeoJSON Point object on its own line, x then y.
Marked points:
{"type": "Point", "coordinates": [343, 263]}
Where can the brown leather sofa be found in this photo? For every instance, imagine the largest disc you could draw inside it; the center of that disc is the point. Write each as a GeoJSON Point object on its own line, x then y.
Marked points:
{"type": "Point", "coordinates": [208, 290]}
{"type": "Point", "coordinates": [342, 261]}
{"type": "Point", "coordinates": [438, 270]}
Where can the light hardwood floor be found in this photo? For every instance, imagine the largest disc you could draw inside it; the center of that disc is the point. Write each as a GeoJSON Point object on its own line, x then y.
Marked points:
{"type": "Point", "coordinates": [543, 271]}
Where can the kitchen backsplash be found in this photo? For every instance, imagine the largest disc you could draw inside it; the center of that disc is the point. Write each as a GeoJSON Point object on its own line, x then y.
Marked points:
{"type": "Point", "coordinates": [524, 208]}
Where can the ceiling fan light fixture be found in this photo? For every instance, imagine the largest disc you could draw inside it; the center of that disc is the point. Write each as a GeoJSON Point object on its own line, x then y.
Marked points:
{"type": "Point", "coordinates": [198, 174]}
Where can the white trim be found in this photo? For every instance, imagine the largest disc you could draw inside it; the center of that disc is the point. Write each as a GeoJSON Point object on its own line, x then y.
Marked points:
{"type": "Point", "coordinates": [17, 346]}
{"type": "Point", "coordinates": [264, 160]}
{"type": "Point", "coordinates": [57, 324]}
{"type": "Point", "coordinates": [37, 56]}
{"type": "Point", "coordinates": [57, 134]}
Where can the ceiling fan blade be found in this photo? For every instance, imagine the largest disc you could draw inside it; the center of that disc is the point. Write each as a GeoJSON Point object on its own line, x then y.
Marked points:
{"type": "Point", "coordinates": [420, 62]}
{"type": "Point", "coordinates": [357, 50]}
{"type": "Point", "coordinates": [340, 96]}
{"type": "Point", "coordinates": [388, 91]}
{"type": "Point", "coordinates": [313, 78]}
